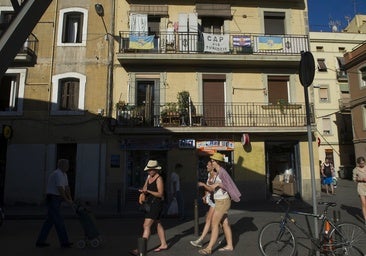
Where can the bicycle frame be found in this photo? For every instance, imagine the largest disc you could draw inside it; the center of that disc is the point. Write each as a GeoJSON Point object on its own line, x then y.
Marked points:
{"type": "Point", "coordinates": [324, 242]}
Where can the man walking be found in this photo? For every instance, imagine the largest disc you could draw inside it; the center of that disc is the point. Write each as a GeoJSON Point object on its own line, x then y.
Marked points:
{"type": "Point", "coordinates": [57, 191]}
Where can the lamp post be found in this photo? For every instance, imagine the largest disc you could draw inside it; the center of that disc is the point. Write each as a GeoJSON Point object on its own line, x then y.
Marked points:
{"type": "Point", "coordinates": [99, 9]}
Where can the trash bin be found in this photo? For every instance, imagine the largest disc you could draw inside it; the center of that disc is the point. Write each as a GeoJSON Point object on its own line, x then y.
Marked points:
{"type": "Point", "coordinates": [341, 173]}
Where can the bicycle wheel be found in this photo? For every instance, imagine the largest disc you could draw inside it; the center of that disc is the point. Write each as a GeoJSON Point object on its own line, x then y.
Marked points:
{"type": "Point", "coordinates": [348, 239]}
{"type": "Point", "coordinates": [275, 239]}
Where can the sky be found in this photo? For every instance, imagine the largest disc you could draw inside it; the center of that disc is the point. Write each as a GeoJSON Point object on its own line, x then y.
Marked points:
{"type": "Point", "coordinates": [324, 12]}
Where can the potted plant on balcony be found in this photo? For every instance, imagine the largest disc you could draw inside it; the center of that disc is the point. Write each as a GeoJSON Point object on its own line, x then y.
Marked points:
{"type": "Point", "coordinates": [183, 106]}
{"type": "Point", "coordinates": [169, 111]}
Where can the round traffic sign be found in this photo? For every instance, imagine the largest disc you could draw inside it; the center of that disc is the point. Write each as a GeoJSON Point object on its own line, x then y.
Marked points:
{"type": "Point", "coordinates": [306, 69]}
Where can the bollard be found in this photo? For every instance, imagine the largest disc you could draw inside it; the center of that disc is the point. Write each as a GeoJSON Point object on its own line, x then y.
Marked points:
{"type": "Point", "coordinates": [142, 246]}
{"type": "Point", "coordinates": [195, 218]}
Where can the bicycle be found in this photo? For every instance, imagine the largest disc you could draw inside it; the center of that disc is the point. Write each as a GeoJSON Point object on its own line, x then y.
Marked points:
{"type": "Point", "coordinates": [346, 238]}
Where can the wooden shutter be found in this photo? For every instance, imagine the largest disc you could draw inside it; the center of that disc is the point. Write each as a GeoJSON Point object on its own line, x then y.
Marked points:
{"type": "Point", "coordinates": [277, 89]}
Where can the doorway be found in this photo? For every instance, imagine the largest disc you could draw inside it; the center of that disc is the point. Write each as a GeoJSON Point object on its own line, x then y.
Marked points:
{"type": "Point", "coordinates": [145, 99]}
{"type": "Point", "coordinates": [136, 161]}
{"type": "Point", "coordinates": [214, 100]}
{"type": "Point", "coordinates": [69, 151]}
{"type": "Point", "coordinates": [281, 156]}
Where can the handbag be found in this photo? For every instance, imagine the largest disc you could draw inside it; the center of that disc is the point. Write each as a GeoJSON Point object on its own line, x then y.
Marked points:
{"type": "Point", "coordinates": [173, 208]}
{"type": "Point", "coordinates": [145, 202]}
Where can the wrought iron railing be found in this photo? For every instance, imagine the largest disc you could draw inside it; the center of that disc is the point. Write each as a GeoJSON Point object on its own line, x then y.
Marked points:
{"type": "Point", "coordinates": [215, 115]}
{"type": "Point", "coordinates": [194, 43]}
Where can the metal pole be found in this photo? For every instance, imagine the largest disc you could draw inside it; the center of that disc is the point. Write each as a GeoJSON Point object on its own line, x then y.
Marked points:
{"type": "Point", "coordinates": [311, 158]}
{"type": "Point", "coordinates": [196, 231]}
{"type": "Point", "coordinates": [142, 246]}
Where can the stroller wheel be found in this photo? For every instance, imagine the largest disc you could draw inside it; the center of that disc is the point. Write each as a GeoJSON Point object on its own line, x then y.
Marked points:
{"type": "Point", "coordinates": [95, 243]}
{"type": "Point", "coordinates": [81, 244]}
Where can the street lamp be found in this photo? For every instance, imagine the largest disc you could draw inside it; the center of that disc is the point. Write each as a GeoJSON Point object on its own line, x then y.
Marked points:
{"type": "Point", "coordinates": [100, 11]}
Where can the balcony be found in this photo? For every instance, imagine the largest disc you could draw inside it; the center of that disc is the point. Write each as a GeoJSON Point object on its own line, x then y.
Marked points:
{"type": "Point", "coordinates": [342, 75]}
{"type": "Point", "coordinates": [27, 54]}
{"type": "Point", "coordinates": [189, 48]}
{"type": "Point", "coordinates": [344, 104]}
{"type": "Point", "coordinates": [214, 115]}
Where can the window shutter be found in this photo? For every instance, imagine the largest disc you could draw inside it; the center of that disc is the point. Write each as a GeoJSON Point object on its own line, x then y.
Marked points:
{"type": "Point", "coordinates": [323, 94]}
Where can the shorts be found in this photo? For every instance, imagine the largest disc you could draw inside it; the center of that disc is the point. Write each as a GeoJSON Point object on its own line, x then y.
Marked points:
{"type": "Point", "coordinates": [222, 205]}
{"type": "Point", "coordinates": [327, 180]}
{"type": "Point", "coordinates": [361, 189]}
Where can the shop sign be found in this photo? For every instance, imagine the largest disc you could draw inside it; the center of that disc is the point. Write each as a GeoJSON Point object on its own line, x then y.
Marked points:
{"type": "Point", "coordinates": [215, 145]}
{"type": "Point", "coordinates": [187, 143]}
{"type": "Point", "coordinates": [145, 144]}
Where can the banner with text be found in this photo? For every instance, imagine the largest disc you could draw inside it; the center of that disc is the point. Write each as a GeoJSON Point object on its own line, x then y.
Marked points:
{"type": "Point", "coordinates": [216, 43]}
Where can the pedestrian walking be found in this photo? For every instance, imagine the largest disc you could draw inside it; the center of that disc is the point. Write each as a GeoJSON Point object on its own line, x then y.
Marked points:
{"type": "Point", "coordinates": [327, 172]}
{"type": "Point", "coordinates": [175, 188]}
{"type": "Point", "coordinates": [153, 191]}
{"type": "Point", "coordinates": [225, 190]}
{"type": "Point", "coordinates": [58, 190]}
{"type": "Point", "coordinates": [207, 199]}
{"type": "Point", "coordinates": [359, 176]}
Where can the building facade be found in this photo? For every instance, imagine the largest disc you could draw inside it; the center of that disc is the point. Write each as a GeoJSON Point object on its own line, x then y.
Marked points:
{"type": "Point", "coordinates": [54, 106]}
{"type": "Point", "coordinates": [355, 63]}
{"type": "Point", "coordinates": [169, 81]}
{"type": "Point", "coordinates": [198, 77]}
{"type": "Point", "coordinates": [332, 96]}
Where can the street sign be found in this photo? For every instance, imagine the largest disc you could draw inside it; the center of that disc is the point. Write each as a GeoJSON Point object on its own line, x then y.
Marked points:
{"type": "Point", "coordinates": [306, 69]}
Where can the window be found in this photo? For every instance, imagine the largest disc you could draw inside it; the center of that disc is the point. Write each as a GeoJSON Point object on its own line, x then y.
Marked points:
{"type": "Point", "coordinates": [274, 23]}
{"type": "Point", "coordinates": [342, 49]}
{"type": "Point", "coordinates": [12, 92]}
{"type": "Point", "coordinates": [6, 15]}
{"type": "Point", "coordinates": [68, 93]}
{"type": "Point", "coordinates": [363, 77]}
{"type": "Point", "coordinates": [321, 65]}
{"type": "Point", "coordinates": [214, 25]}
{"type": "Point", "coordinates": [72, 27]}
{"type": "Point", "coordinates": [323, 93]}
{"type": "Point", "coordinates": [320, 49]}
{"type": "Point", "coordinates": [153, 25]}
{"type": "Point", "coordinates": [327, 126]}
{"type": "Point", "coordinates": [69, 96]}
{"type": "Point", "coordinates": [278, 89]}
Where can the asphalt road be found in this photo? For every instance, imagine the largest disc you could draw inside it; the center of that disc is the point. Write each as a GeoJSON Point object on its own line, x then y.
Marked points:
{"type": "Point", "coordinates": [19, 231]}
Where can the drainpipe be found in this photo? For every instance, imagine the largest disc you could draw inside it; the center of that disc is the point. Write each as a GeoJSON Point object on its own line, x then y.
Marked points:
{"type": "Point", "coordinates": [110, 38]}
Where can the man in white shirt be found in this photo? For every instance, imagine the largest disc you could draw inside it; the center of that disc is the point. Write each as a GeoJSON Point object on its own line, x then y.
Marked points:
{"type": "Point", "coordinates": [57, 191]}
{"type": "Point", "coordinates": [175, 189]}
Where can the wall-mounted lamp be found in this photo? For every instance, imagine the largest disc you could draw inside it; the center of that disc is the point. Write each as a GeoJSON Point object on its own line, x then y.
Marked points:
{"type": "Point", "coordinates": [100, 11]}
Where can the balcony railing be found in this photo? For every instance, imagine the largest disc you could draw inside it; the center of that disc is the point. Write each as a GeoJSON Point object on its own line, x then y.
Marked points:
{"type": "Point", "coordinates": [28, 52]}
{"type": "Point", "coordinates": [170, 43]}
{"type": "Point", "coordinates": [215, 115]}
{"type": "Point", "coordinates": [342, 75]}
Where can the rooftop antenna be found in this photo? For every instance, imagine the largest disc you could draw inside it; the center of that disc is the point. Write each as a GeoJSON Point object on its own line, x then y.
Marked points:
{"type": "Point", "coordinates": [354, 7]}
{"type": "Point", "coordinates": [334, 25]}
{"type": "Point", "coordinates": [348, 18]}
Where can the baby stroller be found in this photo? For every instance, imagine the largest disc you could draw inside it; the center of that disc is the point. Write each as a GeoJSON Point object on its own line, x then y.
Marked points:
{"type": "Point", "coordinates": [87, 221]}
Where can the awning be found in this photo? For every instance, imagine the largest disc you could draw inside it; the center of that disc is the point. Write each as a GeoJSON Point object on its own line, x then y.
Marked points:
{"type": "Point", "coordinates": [214, 10]}
{"type": "Point", "coordinates": [150, 9]}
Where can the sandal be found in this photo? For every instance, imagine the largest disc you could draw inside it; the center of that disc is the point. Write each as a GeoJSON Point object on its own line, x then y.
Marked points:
{"type": "Point", "coordinates": [225, 249]}
{"type": "Point", "coordinates": [205, 251]}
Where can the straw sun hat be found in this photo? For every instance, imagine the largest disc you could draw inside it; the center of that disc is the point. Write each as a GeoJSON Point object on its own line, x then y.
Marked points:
{"type": "Point", "coordinates": [218, 157]}
{"type": "Point", "coordinates": [152, 165]}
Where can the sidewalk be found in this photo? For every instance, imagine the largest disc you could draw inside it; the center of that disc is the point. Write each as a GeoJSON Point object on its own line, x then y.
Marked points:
{"type": "Point", "coordinates": [120, 232]}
